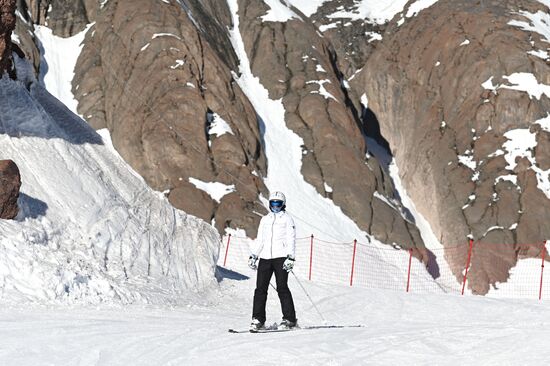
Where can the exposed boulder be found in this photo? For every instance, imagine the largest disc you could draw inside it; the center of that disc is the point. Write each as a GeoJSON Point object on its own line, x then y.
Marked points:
{"type": "Point", "coordinates": [10, 182]}
{"type": "Point", "coordinates": [442, 86]}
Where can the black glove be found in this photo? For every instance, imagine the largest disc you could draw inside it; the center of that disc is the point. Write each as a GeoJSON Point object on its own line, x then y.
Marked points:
{"type": "Point", "coordinates": [252, 261]}
{"type": "Point", "coordinates": [288, 264]}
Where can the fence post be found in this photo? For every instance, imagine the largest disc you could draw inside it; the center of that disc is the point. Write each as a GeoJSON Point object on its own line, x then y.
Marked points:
{"type": "Point", "coordinates": [226, 249]}
{"type": "Point", "coordinates": [310, 256]}
{"type": "Point", "coordinates": [409, 273]}
{"type": "Point", "coordinates": [467, 265]}
{"type": "Point", "coordinates": [353, 261]}
{"type": "Point", "coordinates": [542, 268]}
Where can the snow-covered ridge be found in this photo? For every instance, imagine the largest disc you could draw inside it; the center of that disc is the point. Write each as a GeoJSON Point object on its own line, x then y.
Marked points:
{"type": "Point", "coordinates": [90, 229]}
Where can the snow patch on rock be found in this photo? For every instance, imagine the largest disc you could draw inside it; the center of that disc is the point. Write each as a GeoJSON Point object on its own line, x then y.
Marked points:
{"type": "Point", "coordinates": [278, 12]}
{"type": "Point", "coordinates": [215, 190]}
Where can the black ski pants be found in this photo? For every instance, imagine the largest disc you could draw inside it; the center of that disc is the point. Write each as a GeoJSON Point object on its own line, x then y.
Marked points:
{"type": "Point", "coordinates": [266, 268]}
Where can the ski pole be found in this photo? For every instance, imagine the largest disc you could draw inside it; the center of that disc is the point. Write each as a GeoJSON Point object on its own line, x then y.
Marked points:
{"type": "Point", "coordinates": [309, 297]}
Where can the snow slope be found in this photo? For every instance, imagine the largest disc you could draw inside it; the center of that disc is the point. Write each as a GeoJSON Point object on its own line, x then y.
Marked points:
{"type": "Point", "coordinates": [58, 59]}
{"type": "Point", "coordinates": [90, 229]}
{"type": "Point", "coordinates": [399, 329]}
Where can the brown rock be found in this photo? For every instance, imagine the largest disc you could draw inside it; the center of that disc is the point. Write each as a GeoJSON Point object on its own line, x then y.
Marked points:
{"type": "Point", "coordinates": [423, 76]}
{"type": "Point", "coordinates": [10, 182]}
{"type": "Point", "coordinates": [190, 199]}
{"type": "Point", "coordinates": [149, 76]}
{"type": "Point", "coordinates": [292, 60]}
{"type": "Point", "coordinates": [7, 25]}
{"type": "Point", "coordinates": [541, 151]}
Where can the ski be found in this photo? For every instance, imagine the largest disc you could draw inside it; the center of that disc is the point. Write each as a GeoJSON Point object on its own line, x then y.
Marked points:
{"type": "Point", "coordinates": [310, 327]}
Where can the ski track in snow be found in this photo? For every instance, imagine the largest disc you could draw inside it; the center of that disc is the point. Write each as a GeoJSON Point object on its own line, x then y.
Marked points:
{"type": "Point", "coordinates": [399, 329]}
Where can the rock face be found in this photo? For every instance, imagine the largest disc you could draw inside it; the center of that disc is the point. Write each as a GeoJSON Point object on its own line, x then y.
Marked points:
{"type": "Point", "coordinates": [353, 40]}
{"type": "Point", "coordinates": [296, 64]}
{"type": "Point", "coordinates": [10, 182]}
{"type": "Point", "coordinates": [7, 25]}
{"type": "Point", "coordinates": [442, 87]}
{"type": "Point", "coordinates": [160, 86]}
{"type": "Point", "coordinates": [179, 57]}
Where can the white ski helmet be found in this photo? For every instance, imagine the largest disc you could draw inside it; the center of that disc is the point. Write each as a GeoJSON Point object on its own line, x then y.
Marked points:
{"type": "Point", "coordinates": [277, 202]}
{"type": "Point", "coordinates": [277, 196]}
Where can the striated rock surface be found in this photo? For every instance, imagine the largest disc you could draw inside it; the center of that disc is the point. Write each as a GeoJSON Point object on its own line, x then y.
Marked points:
{"type": "Point", "coordinates": [7, 25]}
{"type": "Point", "coordinates": [446, 87]}
{"type": "Point", "coordinates": [10, 182]}
{"type": "Point", "coordinates": [296, 64]}
{"type": "Point", "coordinates": [160, 80]}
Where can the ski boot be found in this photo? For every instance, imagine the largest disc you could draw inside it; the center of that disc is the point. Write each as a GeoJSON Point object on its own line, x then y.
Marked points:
{"type": "Point", "coordinates": [256, 325]}
{"type": "Point", "coordinates": [287, 324]}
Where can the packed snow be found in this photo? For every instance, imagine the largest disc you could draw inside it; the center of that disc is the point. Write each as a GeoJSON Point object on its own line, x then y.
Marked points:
{"type": "Point", "coordinates": [520, 144]}
{"type": "Point", "coordinates": [157, 35]}
{"type": "Point", "coordinates": [89, 230]}
{"type": "Point", "coordinates": [527, 82]}
{"type": "Point", "coordinates": [521, 81]}
{"type": "Point", "coordinates": [544, 122]}
{"type": "Point", "coordinates": [398, 329]}
{"type": "Point", "coordinates": [539, 22]}
{"type": "Point", "coordinates": [539, 53]}
{"type": "Point", "coordinates": [373, 36]}
{"type": "Point", "coordinates": [468, 161]}
{"type": "Point", "coordinates": [488, 84]}
{"type": "Point", "coordinates": [178, 63]}
{"type": "Point", "coordinates": [322, 90]}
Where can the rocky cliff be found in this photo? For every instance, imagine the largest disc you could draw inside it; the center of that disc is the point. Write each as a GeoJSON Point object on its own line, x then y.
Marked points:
{"type": "Point", "coordinates": [447, 89]}
{"type": "Point", "coordinates": [295, 63]}
{"type": "Point", "coordinates": [172, 79]}
{"type": "Point", "coordinates": [457, 91]}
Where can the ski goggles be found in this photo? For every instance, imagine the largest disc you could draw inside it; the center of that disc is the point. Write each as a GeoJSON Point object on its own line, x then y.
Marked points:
{"type": "Point", "coordinates": [276, 203]}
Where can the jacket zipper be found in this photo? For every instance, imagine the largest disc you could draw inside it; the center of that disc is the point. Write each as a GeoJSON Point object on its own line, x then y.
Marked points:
{"type": "Point", "coordinates": [272, 227]}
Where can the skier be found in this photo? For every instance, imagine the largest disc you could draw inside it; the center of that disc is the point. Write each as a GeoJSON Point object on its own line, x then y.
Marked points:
{"type": "Point", "coordinates": [275, 248]}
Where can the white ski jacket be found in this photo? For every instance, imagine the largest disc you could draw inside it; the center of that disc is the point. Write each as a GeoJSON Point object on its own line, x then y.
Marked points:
{"type": "Point", "coordinates": [276, 236]}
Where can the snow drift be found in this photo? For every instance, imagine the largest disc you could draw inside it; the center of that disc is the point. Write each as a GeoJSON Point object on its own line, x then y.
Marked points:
{"type": "Point", "coordinates": [89, 229]}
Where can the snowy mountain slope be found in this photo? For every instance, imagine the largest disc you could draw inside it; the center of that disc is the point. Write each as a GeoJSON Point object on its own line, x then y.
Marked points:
{"type": "Point", "coordinates": [314, 213]}
{"type": "Point", "coordinates": [90, 229]}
